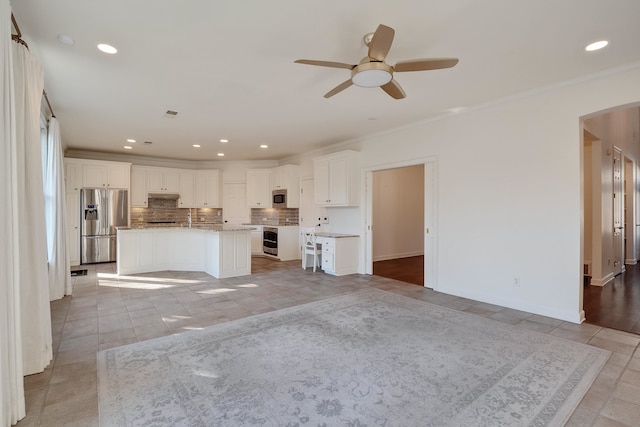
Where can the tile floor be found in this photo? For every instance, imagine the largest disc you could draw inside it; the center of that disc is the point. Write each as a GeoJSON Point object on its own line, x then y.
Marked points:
{"type": "Point", "coordinates": [106, 311]}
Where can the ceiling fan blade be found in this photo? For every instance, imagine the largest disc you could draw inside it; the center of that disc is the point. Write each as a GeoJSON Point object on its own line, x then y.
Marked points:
{"type": "Point", "coordinates": [325, 63]}
{"type": "Point", "coordinates": [394, 90]}
{"type": "Point", "coordinates": [425, 64]}
{"type": "Point", "coordinates": [381, 42]}
{"type": "Point", "coordinates": [342, 86]}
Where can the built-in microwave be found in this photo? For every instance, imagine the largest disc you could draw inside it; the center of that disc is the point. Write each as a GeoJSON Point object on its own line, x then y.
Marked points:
{"type": "Point", "coordinates": [279, 199]}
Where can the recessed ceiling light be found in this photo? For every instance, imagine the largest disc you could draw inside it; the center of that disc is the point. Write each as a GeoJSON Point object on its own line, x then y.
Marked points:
{"type": "Point", "coordinates": [65, 40]}
{"type": "Point", "coordinates": [131, 140]}
{"type": "Point", "coordinates": [596, 45]}
{"type": "Point", "coordinates": [221, 154]}
{"type": "Point", "coordinates": [224, 141]}
{"type": "Point", "coordinates": [107, 48]}
{"type": "Point", "coordinates": [264, 146]}
{"type": "Point", "coordinates": [128, 147]}
{"type": "Point", "coordinates": [196, 145]}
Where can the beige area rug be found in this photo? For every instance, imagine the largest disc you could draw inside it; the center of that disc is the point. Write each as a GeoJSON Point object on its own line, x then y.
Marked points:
{"type": "Point", "coordinates": [370, 358]}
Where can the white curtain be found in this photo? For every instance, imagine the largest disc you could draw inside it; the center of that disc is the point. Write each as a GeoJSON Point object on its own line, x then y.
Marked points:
{"type": "Point", "coordinates": [12, 405]}
{"type": "Point", "coordinates": [56, 215]}
{"type": "Point", "coordinates": [28, 78]}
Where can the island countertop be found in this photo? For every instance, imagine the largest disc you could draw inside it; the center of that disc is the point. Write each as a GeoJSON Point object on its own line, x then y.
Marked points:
{"type": "Point", "coordinates": [203, 227]}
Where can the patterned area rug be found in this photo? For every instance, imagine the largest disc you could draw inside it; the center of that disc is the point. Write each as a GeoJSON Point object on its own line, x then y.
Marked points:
{"type": "Point", "coordinates": [370, 358]}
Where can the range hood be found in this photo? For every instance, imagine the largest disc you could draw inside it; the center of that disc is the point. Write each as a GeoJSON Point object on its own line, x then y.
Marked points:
{"type": "Point", "coordinates": [167, 196]}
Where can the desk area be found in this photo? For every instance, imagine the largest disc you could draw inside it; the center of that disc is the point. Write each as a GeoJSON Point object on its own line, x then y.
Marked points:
{"type": "Point", "coordinates": [339, 253]}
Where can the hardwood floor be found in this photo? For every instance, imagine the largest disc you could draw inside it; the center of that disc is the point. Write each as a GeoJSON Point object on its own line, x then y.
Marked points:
{"type": "Point", "coordinates": [617, 304]}
{"type": "Point", "coordinates": [410, 270]}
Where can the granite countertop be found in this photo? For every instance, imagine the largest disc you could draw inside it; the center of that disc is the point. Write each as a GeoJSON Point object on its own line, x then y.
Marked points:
{"type": "Point", "coordinates": [335, 235]}
{"type": "Point", "coordinates": [204, 227]}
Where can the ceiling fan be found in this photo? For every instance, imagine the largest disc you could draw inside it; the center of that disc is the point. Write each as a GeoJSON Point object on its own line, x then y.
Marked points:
{"type": "Point", "coordinates": [372, 71]}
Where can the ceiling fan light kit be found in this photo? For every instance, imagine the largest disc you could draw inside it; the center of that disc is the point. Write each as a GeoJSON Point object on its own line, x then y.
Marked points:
{"type": "Point", "coordinates": [371, 74]}
{"type": "Point", "coordinates": [372, 71]}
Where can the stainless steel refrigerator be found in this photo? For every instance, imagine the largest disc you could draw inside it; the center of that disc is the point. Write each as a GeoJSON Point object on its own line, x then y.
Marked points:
{"type": "Point", "coordinates": [102, 211]}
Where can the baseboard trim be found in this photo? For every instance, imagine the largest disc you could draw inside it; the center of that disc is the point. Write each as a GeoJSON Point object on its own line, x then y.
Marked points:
{"type": "Point", "coordinates": [631, 261]}
{"type": "Point", "coordinates": [573, 317]}
{"type": "Point", "coordinates": [603, 281]}
{"type": "Point", "coordinates": [396, 256]}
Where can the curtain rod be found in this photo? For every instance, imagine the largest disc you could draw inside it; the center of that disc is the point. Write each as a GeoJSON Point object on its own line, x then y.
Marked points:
{"type": "Point", "coordinates": [18, 38]}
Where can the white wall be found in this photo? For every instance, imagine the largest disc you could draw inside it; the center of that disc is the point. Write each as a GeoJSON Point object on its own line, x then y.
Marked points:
{"type": "Point", "coordinates": [398, 219]}
{"type": "Point", "coordinates": [509, 188]}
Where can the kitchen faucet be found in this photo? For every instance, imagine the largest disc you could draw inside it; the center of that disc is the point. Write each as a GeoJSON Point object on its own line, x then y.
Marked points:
{"type": "Point", "coordinates": [189, 217]}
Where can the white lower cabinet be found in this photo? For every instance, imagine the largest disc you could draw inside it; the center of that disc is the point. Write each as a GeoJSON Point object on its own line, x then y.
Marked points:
{"type": "Point", "coordinates": [339, 255]}
{"type": "Point", "coordinates": [219, 253]}
{"type": "Point", "coordinates": [256, 240]}
{"type": "Point", "coordinates": [288, 242]}
{"type": "Point", "coordinates": [234, 257]}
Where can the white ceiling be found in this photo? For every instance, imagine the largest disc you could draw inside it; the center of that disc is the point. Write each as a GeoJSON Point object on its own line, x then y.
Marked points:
{"type": "Point", "coordinates": [227, 66]}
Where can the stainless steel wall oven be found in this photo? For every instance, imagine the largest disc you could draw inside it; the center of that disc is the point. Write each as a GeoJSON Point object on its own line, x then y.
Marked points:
{"type": "Point", "coordinates": [270, 241]}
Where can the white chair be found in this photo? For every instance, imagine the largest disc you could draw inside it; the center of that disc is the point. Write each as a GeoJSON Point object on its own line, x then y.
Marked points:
{"type": "Point", "coordinates": [310, 247]}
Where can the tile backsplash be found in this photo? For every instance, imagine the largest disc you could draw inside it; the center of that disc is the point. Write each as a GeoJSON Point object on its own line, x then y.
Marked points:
{"type": "Point", "coordinates": [270, 216]}
{"type": "Point", "coordinates": [166, 210]}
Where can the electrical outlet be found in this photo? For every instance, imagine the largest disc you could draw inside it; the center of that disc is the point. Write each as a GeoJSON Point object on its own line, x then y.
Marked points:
{"type": "Point", "coordinates": [516, 281]}
{"type": "Point", "coordinates": [202, 219]}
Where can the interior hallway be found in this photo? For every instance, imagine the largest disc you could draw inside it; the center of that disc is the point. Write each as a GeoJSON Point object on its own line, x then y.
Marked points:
{"type": "Point", "coordinates": [617, 304]}
{"type": "Point", "coordinates": [107, 311]}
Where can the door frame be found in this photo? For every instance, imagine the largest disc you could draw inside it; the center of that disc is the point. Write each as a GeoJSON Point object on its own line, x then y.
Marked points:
{"type": "Point", "coordinates": [430, 211]}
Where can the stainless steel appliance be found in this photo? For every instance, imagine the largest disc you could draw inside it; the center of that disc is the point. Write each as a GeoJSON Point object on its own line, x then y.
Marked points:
{"type": "Point", "coordinates": [102, 211]}
{"type": "Point", "coordinates": [279, 199]}
{"type": "Point", "coordinates": [270, 241]}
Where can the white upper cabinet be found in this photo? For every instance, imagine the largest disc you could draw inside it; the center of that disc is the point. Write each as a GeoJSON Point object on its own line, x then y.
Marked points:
{"type": "Point", "coordinates": [287, 177]}
{"type": "Point", "coordinates": [98, 174]}
{"type": "Point", "coordinates": [259, 188]}
{"type": "Point", "coordinates": [337, 179]}
{"type": "Point", "coordinates": [138, 187]}
{"type": "Point", "coordinates": [187, 199]}
{"type": "Point", "coordinates": [161, 180]}
{"type": "Point", "coordinates": [195, 188]}
{"type": "Point", "coordinates": [207, 189]}
{"type": "Point", "coordinates": [72, 175]}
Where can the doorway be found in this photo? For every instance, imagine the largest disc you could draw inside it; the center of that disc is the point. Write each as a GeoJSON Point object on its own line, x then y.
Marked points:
{"type": "Point", "coordinates": [611, 152]}
{"type": "Point", "coordinates": [398, 219]}
{"type": "Point", "coordinates": [386, 239]}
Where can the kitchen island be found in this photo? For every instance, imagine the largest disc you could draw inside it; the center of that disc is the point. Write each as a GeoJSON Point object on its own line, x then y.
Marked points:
{"type": "Point", "coordinates": [219, 250]}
